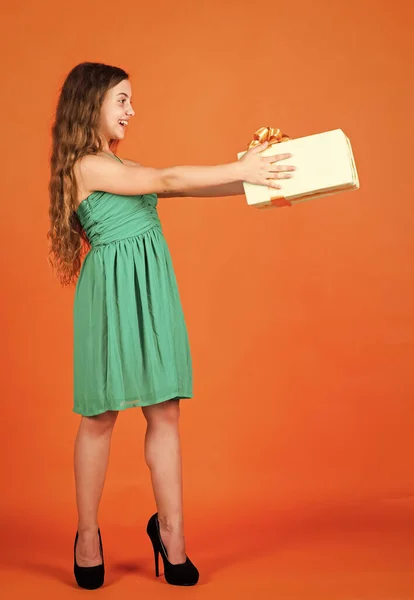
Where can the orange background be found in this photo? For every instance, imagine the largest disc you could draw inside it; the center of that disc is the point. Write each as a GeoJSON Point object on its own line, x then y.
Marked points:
{"type": "Point", "coordinates": [298, 443]}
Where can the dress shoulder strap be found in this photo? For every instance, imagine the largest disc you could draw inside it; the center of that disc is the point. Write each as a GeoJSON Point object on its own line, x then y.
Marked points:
{"type": "Point", "coordinates": [113, 156]}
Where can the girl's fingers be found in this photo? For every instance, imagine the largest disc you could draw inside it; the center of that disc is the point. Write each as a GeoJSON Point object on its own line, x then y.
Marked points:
{"type": "Point", "coordinates": [276, 157]}
{"type": "Point", "coordinates": [279, 175]}
{"type": "Point", "coordinates": [258, 148]}
{"type": "Point", "coordinates": [276, 169]}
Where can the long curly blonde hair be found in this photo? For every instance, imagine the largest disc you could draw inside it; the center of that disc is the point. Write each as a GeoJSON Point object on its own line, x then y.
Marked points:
{"type": "Point", "coordinates": [75, 134]}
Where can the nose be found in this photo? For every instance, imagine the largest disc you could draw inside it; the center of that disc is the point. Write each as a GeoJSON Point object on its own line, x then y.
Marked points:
{"type": "Point", "coordinates": [131, 111]}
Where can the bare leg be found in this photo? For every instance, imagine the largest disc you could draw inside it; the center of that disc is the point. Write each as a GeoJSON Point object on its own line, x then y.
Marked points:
{"type": "Point", "coordinates": [92, 447]}
{"type": "Point", "coordinates": [163, 457]}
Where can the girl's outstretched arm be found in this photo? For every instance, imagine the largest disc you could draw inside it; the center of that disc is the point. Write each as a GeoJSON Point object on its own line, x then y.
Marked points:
{"type": "Point", "coordinates": [229, 189]}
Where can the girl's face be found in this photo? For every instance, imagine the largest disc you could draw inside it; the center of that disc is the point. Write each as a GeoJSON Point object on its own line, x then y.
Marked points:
{"type": "Point", "coordinates": [116, 111]}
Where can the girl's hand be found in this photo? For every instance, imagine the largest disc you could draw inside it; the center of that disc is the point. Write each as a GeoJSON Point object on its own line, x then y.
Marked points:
{"type": "Point", "coordinates": [262, 170]}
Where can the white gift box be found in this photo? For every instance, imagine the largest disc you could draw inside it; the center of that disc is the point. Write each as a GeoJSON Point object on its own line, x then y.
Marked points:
{"type": "Point", "coordinates": [324, 164]}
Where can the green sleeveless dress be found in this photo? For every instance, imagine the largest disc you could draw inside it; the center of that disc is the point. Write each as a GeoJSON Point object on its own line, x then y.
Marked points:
{"type": "Point", "coordinates": [130, 338]}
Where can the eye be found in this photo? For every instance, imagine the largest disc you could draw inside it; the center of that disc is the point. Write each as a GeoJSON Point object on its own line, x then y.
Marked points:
{"type": "Point", "coordinates": [123, 100]}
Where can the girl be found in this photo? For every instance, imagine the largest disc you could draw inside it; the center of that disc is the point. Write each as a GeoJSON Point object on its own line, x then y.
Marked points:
{"type": "Point", "coordinates": [130, 339]}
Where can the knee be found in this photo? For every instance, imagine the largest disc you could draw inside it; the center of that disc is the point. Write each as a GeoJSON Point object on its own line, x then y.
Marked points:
{"type": "Point", "coordinates": [164, 413]}
{"type": "Point", "coordinates": [102, 424]}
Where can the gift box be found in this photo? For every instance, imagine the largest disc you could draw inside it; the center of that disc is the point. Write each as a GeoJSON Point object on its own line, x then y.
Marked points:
{"type": "Point", "coordinates": [324, 164]}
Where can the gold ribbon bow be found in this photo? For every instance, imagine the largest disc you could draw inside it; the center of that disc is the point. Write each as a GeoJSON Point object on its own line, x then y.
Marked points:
{"type": "Point", "coordinates": [268, 134]}
{"type": "Point", "coordinates": [272, 136]}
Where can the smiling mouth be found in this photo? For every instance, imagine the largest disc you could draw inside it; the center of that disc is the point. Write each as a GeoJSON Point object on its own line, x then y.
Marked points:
{"type": "Point", "coordinates": [123, 123]}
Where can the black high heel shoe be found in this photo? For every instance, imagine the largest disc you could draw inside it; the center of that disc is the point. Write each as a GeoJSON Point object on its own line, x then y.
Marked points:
{"type": "Point", "coordinates": [89, 578]}
{"type": "Point", "coordinates": [181, 574]}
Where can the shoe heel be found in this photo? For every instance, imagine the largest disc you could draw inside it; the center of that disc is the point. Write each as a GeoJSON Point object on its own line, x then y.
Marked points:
{"type": "Point", "coordinates": [157, 562]}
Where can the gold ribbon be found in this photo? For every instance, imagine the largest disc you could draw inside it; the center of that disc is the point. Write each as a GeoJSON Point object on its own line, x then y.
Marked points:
{"type": "Point", "coordinates": [268, 134]}
{"type": "Point", "coordinates": [272, 136]}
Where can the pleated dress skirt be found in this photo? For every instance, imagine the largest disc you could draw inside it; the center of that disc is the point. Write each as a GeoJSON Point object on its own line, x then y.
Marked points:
{"type": "Point", "coordinates": [131, 345]}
